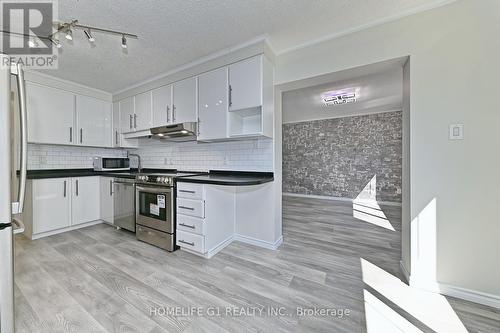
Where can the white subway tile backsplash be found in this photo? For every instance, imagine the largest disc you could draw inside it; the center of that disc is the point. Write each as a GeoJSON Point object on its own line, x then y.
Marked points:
{"type": "Point", "coordinates": [66, 157]}
{"type": "Point", "coordinates": [247, 155]}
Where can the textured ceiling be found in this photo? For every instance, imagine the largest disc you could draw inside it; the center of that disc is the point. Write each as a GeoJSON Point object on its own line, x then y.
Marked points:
{"type": "Point", "coordinates": [176, 32]}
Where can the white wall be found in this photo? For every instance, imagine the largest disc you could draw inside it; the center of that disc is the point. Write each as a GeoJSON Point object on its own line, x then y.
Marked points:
{"type": "Point", "coordinates": [454, 79]}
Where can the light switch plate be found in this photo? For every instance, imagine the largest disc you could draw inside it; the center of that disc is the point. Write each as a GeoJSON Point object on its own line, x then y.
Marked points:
{"type": "Point", "coordinates": [457, 132]}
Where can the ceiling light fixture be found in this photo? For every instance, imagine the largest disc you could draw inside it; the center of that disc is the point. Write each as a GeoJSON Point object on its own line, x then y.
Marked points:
{"type": "Point", "coordinates": [69, 34]}
{"type": "Point", "coordinates": [32, 43]}
{"type": "Point", "coordinates": [56, 42]}
{"type": "Point", "coordinates": [89, 35]}
{"type": "Point", "coordinates": [68, 27]}
{"type": "Point", "coordinates": [339, 97]}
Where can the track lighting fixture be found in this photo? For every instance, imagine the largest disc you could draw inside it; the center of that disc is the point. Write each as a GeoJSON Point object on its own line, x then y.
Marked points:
{"type": "Point", "coordinates": [32, 43]}
{"type": "Point", "coordinates": [124, 42]}
{"type": "Point", "coordinates": [89, 35]}
{"type": "Point", "coordinates": [69, 34]}
{"type": "Point", "coordinates": [56, 42]}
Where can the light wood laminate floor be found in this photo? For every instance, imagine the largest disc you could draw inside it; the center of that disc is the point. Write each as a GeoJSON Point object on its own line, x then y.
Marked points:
{"type": "Point", "coordinates": [99, 279]}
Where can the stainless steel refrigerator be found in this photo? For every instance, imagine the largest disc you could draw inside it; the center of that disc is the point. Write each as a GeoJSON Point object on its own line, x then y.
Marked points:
{"type": "Point", "coordinates": [12, 105]}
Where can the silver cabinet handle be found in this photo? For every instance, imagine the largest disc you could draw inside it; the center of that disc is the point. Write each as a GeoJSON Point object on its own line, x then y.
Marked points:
{"type": "Point", "coordinates": [110, 187]}
{"type": "Point", "coordinates": [168, 113]}
{"type": "Point", "coordinates": [187, 243]}
{"type": "Point", "coordinates": [64, 189]}
{"type": "Point", "coordinates": [135, 121]}
{"type": "Point", "coordinates": [230, 95]}
{"type": "Point", "coordinates": [130, 117]}
{"type": "Point", "coordinates": [173, 112]}
{"type": "Point", "coordinates": [81, 135]}
{"type": "Point", "coordinates": [199, 122]}
{"type": "Point", "coordinates": [77, 187]}
{"type": "Point", "coordinates": [116, 137]}
{"type": "Point", "coordinates": [21, 87]}
{"type": "Point", "coordinates": [187, 191]}
{"type": "Point", "coordinates": [71, 134]}
{"type": "Point", "coordinates": [188, 208]}
{"type": "Point", "coordinates": [187, 225]}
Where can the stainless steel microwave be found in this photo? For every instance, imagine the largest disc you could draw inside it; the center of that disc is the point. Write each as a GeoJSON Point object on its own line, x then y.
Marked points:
{"type": "Point", "coordinates": [111, 163]}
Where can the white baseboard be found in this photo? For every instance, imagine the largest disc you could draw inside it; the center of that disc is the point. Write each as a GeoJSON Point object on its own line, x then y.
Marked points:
{"type": "Point", "coordinates": [58, 231]}
{"type": "Point", "coordinates": [456, 292]}
{"type": "Point", "coordinates": [324, 197]}
{"type": "Point", "coordinates": [405, 272]}
{"type": "Point", "coordinates": [470, 295]}
{"type": "Point", "coordinates": [258, 242]}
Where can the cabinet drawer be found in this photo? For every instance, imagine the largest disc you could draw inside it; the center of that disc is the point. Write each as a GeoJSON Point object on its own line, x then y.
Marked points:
{"type": "Point", "coordinates": [190, 224]}
{"type": "Point", "coordinates": [157, 238]}
{"type": "Point", "coordinates": [191, 241]}
{"type": "Point", "coordinates": [191, 207]}
{"type": "Point", "coordinates": [189, 191]}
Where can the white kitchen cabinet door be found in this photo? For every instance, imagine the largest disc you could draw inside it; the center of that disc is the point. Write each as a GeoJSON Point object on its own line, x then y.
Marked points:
{"type": "Point", "coordinates": [118, 140]}
{"type": "Point", "coordinates": [143, 111]}
{"type": "Point", "coordinates": [94, 122]}
{"type": "Point", "coordinates": [162, 106]}
{"type": "Point", "coordinates": [116, 125]}
{"type": "Point", "coordinates": [184, 101]}
{"type": "Point", "coordinates": [51, 115]}
{"type": "Point", "coordinates": [212, 105]}
{"type": "Point", "coordinates": [51, 204]}
{"type": "Point", "coordinates": [245, 84]}
{"type": "Point", "coordinates": [85, 203]}
{"type": "Point", "coordinates": [127, 111]}
{"type": "Point", "coordinates": [107, 206]}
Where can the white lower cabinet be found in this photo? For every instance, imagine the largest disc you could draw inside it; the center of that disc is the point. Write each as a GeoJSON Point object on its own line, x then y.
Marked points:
{"type": "Point", "coordinates": [107, 202]}
{"type": "Point", "coordinates": [55, 205]}
{"type": "Point", "coordinates": [51, 205]}
{"type": "Point", "coordinates": [85, 203]}
{"type": "Point", "coordinates": [205, 217]}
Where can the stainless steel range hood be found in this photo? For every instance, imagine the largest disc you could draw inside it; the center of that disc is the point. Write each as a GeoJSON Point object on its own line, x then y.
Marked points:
{"type": "Point", "coordinates": [178, 133]}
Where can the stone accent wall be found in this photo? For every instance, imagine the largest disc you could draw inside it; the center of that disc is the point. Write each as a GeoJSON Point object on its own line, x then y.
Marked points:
{"type": "Point", "coordinates": [339, 157]}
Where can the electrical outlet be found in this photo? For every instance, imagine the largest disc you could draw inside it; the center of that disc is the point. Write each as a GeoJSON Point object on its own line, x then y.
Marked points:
{"type": "Point", "coordinates": [166, 161]}
{"type": "Point", "coordinates": [42, 160]}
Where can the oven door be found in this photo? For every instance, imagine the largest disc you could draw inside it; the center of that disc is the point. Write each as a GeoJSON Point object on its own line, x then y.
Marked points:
{"type": "Point", "coordinates": [154, 208]}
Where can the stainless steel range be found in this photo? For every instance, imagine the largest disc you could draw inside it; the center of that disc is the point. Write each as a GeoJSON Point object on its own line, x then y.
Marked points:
{"type": "Point", "coordinates": [155, 208]}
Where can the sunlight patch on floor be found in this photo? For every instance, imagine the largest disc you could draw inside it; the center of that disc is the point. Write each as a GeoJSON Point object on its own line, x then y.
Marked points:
{"type": "Point", "coordinates": [431, 309]}
{"type": "Point", "coordinates": [366, 208]}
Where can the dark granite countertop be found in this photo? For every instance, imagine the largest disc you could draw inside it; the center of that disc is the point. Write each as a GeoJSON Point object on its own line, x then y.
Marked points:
{"type": "Point", "coordinates": [63, 173]}
{"type": "Point", "coordinates": [215, 177]}
{"type": "Point", "coordinates": [230, 178]}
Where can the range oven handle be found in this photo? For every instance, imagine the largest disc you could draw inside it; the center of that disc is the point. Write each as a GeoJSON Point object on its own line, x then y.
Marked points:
{"type": "Point", "coordinates": [156, 190]}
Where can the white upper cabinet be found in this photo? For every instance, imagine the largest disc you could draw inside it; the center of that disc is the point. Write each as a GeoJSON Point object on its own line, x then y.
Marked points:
{"type": "Point", "coordinates": [93, 121]}
{"type": "Point", "coordinates": [85, 202]}
{"type": "Point", "coordinates": [245, 84]}
{"type": "Point", "coordinates": [184, 101]}
{"type": "Point", "coordinates": [127, 112]}
{"type": "Point", "coordinates": [143, 111]}
{"type": "Point", "coordinates": [116, 125]}
{"type": "Point", "coordinates": [162, 106]}
{"type": "Point", "coordinates": [51, 114]}
{"type": "Point", "coordinates": [212, 104]}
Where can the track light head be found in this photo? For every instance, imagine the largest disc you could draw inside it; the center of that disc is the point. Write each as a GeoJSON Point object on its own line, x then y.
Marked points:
{"type": "Point", "coordinates": [56, 42]}
{"type": "Point", "coordinates": [89, 35]}
{"type": "Point", "coordinates": [69, 34]}
{"type": "Point", "coordinates": [124, 42]}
